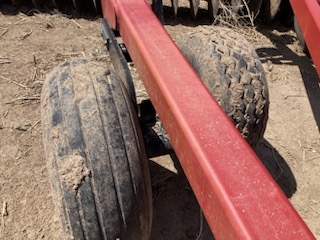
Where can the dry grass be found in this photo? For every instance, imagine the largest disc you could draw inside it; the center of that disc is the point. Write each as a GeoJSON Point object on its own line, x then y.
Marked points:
{"type": "Point", "coordinates": [234, 16]}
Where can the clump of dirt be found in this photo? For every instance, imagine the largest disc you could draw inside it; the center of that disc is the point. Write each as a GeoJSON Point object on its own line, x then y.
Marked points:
{"type": "Point", "coordinates": [72, 170]}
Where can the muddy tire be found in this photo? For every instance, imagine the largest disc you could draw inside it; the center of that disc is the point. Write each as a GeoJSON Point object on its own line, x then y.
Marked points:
{"type": "Point", "coordinates": [269, 9]}
{"type": "Point", "coordinates": [98, 166]}
{"type": "Point", "coordinates": [233, 73]}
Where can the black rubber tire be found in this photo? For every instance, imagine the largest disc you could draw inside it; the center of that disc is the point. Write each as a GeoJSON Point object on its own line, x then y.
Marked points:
{"type": "Point", "coordinates": [233, 73]}
{"type": "Point", "coordinates": [97, 162]}
{"type": "Point", "coordinates": [269, 9]}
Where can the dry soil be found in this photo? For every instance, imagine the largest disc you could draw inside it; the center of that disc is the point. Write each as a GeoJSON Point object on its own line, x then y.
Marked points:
{"type": "Point", "coordinates": [33, 42]}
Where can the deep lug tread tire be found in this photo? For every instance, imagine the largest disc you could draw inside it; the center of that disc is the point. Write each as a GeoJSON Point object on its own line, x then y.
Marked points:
{"type": "Point", "coordinates": [233, 73]}
{"type": "Point", "coordinates": [97, 162]}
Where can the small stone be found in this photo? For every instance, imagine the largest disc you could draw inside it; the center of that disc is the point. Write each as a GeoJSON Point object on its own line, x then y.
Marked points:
{"type": "Point", "coordinates": [270, 66]}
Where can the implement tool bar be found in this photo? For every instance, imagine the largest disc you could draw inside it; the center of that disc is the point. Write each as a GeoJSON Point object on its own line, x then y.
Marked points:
{"type": "Point", "coordinates": [236, 193]}
{"type": "Point", "coordinates": [307, 13]}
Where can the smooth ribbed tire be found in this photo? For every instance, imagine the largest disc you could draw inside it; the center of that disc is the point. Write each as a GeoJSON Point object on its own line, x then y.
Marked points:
{"type": "Point", "coordinates": [96, 159]}
{"type": "Point", "coordinates": [233, 73]}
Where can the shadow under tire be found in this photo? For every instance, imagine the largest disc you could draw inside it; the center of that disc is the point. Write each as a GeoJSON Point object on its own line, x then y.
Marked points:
{"type": "Point", "coordinates": [95, 154]}
{"type": "Point", "coordinates": [232, 71]}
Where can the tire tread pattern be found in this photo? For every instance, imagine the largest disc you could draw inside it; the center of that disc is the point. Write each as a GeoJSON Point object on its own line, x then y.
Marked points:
{"type": "Point", "coordinates": [233, 73]}
{"type": "Point", "coordinates": [88, 117]}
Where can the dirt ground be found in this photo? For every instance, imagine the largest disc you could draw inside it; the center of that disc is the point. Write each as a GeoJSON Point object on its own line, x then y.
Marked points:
{"type": "Point", "coordinates": [33, 42]}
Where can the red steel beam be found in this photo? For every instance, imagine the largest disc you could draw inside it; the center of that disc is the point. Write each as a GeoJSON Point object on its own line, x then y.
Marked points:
{"type": "Point", "coordinates": [307, 13]}
{"type": "Point", "coordinates": [236, 193]}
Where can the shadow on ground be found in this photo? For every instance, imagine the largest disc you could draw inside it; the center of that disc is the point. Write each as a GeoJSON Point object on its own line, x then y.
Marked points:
{"type": "Point", "coordinates": [27, 8]}
{"type": "Point", "coordinates": [174, 201]}
{"type": "Point", "coordinates": [282, 54]}
{"type": "Point", "coordinates": [175, 206]}
{"type": "Point", "coordinates": [277, 167]}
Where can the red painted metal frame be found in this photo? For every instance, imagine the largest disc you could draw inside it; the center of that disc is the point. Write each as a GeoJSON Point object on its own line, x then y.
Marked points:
{"type": "Point", "coordinates": [237, 195]}
{"type": "Point", "coordinates": [307, 13]}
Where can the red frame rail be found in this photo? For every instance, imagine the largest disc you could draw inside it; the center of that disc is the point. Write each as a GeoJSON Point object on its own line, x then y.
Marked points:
{"type": "Point", "coordinates": [236, 193]}
{"type": "Point", "coordinates": [307, 13]}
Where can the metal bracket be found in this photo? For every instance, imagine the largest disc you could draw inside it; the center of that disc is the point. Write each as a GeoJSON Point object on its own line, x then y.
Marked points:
{"type": "Point", "coordinates": [155, 138]}
{"type": "Point", "coordinates": [118, 58]}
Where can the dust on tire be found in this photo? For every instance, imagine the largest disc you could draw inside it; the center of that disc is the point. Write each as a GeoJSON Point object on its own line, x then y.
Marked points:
{"type": "Point", "coordinates": [233, 73]}
{"type": "Point", "coordinates": [96, 159]}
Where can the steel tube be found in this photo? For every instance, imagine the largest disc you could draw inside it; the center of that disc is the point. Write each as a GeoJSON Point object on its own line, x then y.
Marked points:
{"type": "Point", "coordinates": [307, 13]}
{"type": "Point", "coordinates": [236, 193]}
